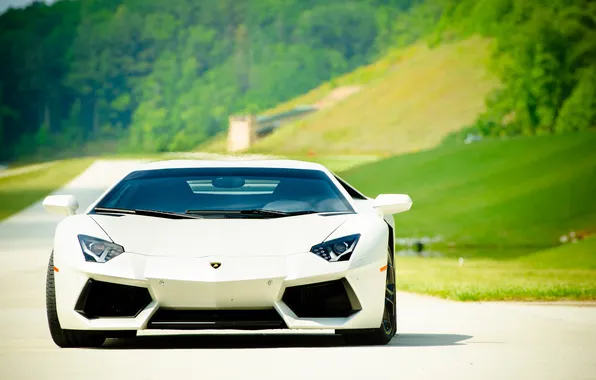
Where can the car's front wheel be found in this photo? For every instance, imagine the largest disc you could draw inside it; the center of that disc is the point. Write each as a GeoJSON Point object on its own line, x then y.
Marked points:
{"type": "Point", "coordinates": [388, 329]}
{"type": "Point", "coordinates": [60, 336]}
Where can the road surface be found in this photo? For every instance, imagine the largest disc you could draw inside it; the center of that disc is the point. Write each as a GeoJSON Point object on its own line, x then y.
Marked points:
{"type": "Point", "coordinates": [438, 339]}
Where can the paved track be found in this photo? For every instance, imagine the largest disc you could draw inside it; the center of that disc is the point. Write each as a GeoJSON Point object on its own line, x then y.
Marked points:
{"type": "Point", "coordinates": [439, 339]}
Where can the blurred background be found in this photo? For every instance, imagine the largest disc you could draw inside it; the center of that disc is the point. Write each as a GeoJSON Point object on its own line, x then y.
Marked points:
{"type": "Point", "coordinates": [483, 111]}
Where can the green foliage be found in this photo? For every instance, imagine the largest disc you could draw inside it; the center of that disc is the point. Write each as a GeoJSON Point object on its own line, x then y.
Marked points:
{"type": "Point", "coordinates": [420, 21]}
{"type": "Point", "coordinates": [578, 113]}
{"type": "Point", "coordinates": [542, 45]}
{"type": "Point", "coordinates": [350, 28]}
{"type": "Point", "coordinates": [165, 75]}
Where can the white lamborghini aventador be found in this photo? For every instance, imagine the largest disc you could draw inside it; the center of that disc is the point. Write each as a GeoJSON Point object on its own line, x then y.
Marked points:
{"type": "Point", "coordinates": [270, 244]}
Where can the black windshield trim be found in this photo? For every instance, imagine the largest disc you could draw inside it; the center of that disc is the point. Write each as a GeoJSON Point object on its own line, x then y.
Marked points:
{"type": "Point", "coordinates": [354, 193]}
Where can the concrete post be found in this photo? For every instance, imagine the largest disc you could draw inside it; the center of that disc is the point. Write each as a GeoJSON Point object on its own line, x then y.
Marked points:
{"type": "Point", "coordinates": [241, 133]}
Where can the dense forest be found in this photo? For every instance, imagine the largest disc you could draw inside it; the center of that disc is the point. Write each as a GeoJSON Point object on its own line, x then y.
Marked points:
{"type": "Point", "coordinates": [165, 74]}
{"type": "Point", "coordinates": [545, 57]}
{"type": "Point", "coordinates": [162, 75]}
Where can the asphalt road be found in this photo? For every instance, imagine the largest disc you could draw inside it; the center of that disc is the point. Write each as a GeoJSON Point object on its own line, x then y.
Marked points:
{"type": "Point", "coordinates": [438, 339]}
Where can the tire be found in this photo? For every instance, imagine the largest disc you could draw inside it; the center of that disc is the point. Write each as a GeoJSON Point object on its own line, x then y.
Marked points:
{"type": "Point", "coordinates": [388, 329]}
{"type": "Point", "coordinates": [66, 338]}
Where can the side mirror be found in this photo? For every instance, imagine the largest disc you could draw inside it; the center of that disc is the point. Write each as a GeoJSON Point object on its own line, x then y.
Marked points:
{"type": "Point", "coordinates": [389, 204]}
{"type": "Point", "coordinates": [61, 204]}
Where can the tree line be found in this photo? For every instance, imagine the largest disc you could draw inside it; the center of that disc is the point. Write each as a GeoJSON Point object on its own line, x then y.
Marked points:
{"type": "Point", "coordinates": [163, 75]}
{"type": "Point", "coordinates": [545, 56]}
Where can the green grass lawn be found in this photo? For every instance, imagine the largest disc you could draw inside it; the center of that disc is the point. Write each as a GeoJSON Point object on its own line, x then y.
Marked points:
{"type": "Point", "coordinates": [563, 273]}
{"type": "Point", "coordinates": [21, 190]}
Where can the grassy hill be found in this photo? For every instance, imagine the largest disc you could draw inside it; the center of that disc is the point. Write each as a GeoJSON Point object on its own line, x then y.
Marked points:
{"type": "Point", "coordinates": [409, 100]}
{"type": "Point", "coordinates": [517, 193]}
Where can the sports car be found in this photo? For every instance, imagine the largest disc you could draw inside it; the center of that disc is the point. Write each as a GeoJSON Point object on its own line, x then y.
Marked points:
{"type": "Point", "coordinates": [232, 244]}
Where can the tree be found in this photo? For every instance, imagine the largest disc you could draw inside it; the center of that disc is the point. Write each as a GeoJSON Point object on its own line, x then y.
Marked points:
{"type": "Point", "coordinates": [541, 47]}
{"type": "Point", "coordinates": [578, 113]}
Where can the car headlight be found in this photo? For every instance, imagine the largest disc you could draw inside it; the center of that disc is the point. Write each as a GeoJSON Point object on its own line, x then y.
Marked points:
{"type": "Point", "coordinates": [98, 250]}
{"type": "Point", "coordinates": [337, 249]}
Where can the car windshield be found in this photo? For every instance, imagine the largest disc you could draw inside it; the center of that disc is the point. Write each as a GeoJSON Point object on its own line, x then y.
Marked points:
{"type": "Point", "coordinates": [254, 192]}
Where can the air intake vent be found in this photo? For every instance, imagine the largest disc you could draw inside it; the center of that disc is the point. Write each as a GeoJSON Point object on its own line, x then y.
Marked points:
{"type": "Point", "coordinates": [104, 299]}
{"type": "Point", "coordinates": [216, 319]}
{"type": "Point", "coordinates": [321, 300]}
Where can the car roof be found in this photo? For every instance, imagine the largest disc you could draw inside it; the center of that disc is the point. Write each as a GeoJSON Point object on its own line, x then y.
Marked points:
{"type": "Point", "coordinates": [232, 163]}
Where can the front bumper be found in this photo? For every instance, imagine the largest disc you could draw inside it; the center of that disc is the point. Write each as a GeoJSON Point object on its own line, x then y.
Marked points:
{"type": "Point", "coordinates": [245, 290]}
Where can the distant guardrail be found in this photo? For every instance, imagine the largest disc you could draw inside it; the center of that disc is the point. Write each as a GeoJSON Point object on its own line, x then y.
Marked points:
{"type": "Point", "coordinates": [268, 123]}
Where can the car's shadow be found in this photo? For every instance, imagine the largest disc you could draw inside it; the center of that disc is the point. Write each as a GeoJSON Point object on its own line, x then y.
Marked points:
{"type": "Point", "coordinates": [429, 340]}
{"type": "Point", "coordinates": [232, 341]}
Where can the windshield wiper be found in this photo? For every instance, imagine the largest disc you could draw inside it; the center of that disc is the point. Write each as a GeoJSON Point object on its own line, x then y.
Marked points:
{"type": "Point", "coordinates": [155, 213]}
{"type": "Point", "coordinates": [264, 212]}
{"type": "Point", "coordinates": [332, 213]}
{"type": "Point", "coordinates": [110, 210]}
{"type": "Point", "coordinates": [256, 212]}
{"type": "Point", "coordinates": [165, 214]}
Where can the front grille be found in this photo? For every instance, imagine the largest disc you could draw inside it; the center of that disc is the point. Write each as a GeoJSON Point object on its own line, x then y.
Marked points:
{"type": "Point", "coordinates": [328, 299]}
{"type": "Point", "coordinates": [104, 299]}
{"type": "Point", "coordinates": [216, 319]}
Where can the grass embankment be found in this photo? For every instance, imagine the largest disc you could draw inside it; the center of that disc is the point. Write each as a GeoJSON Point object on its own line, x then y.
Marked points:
{"type": "Point", "coordinates": [19, 191]}
{"type": "Point", "coordinates": [503, 204]}
{"type": "Point", "coordinates": [409, 100]}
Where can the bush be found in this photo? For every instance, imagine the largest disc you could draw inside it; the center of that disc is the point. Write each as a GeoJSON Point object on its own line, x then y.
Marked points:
{"type": "Point", "coordinates": [579, 110]}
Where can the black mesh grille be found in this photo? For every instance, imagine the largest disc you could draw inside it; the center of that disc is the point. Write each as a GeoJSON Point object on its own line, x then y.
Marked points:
{"type": "Point", "coordinates": [322, 300]}
{"type": "Point", "coordinates": [103, 299]}
{"type": "Point", "coordinates": [216, 319]}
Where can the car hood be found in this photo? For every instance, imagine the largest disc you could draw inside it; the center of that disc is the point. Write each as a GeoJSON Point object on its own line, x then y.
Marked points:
{"type": "Point", "coordinates": [219, 237]}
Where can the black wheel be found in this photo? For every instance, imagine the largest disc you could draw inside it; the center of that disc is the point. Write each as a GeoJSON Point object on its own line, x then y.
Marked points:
{"type": "Point", "coordinates": [66, 338]}
{"type": "Point", "coordinates": [384, 333]}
